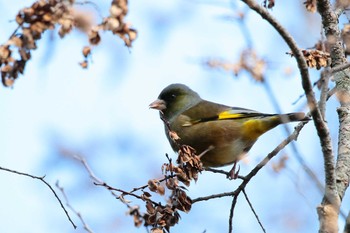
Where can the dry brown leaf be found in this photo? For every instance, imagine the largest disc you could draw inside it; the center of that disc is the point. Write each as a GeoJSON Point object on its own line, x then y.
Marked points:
{"type": "Point", "coordinates": [153, 185]}
{"type": "Point", "coordinates": [161, 190]}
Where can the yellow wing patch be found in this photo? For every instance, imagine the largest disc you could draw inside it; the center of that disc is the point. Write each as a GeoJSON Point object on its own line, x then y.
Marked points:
{"type": "Point", "coordinates": [229, 115]}
{"type": "Point", "coordinates": [222, 116]}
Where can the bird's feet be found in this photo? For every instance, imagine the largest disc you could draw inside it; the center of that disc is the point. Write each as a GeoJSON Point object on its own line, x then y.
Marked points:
{"type": "Point", "coordinates": [233, 174]}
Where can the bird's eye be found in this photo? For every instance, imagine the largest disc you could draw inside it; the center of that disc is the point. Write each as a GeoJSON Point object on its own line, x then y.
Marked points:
{"type": "Point", "coordinates": [173, 96]}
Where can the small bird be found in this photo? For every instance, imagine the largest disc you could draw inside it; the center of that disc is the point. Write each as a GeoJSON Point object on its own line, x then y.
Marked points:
{"type": "Point", "coordinates": [222, 133]}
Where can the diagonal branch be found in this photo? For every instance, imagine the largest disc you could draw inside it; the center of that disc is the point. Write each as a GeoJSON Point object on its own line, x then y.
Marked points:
{"type": "Point", "coordinates": [42, 179]}
{"type": "Point", "coordinates": [232, 211]}
{"type": "Point", "coordinates": [86, 226]}
{"type": "Point", "coordinates": [253, 210]}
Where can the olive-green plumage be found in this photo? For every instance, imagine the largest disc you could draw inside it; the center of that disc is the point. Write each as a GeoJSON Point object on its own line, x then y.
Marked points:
{"type": "Point", "coordinates": [228, 132]}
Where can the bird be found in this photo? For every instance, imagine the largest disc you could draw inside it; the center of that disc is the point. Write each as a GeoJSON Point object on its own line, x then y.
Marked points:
{"type": "Point", "coordinates": [220, 133]}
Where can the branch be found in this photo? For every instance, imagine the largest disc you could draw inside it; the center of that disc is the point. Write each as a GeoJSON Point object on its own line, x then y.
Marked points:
{"type": "Point", "coordinates": [98, 182]}
{"type": "Point", "coordinates": [324, 81]}
{"type": "Point", "coordinates": [86, 227]}
{"type": "Point", "coordinates": [252, 208]}
{"type": "Point", "coordinates": [213, 170]}
{"type": "Point", "coordinates": [42, 179]}
{"type": "Point", "coordinates": [296, 152]}
{"type": "Point", "coordinates": [232, 210]}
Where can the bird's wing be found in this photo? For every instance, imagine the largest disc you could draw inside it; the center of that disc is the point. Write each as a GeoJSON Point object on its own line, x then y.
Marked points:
{"type": "Point", "coordinates": [208, 111]}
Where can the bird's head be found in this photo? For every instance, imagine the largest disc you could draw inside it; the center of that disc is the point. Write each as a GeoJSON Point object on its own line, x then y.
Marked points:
{"type": "Point", "coordinates": [175, 99]}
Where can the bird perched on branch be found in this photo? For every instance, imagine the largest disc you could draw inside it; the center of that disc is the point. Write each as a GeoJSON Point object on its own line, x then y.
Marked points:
{"type": "Point", "coordinates": [221, 134]}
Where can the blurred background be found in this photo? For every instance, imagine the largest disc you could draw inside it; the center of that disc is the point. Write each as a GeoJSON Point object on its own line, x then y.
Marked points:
{"type": "Point", "coordinates": [101, 113]}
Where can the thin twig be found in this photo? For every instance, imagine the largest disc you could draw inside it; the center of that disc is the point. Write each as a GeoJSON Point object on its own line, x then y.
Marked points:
{"type": "Point", "coordinates": [213, 170]}
{"type": "Point", "coordinates": [98, 182]}
{"type": "Point", "coordinates": [87, 167]}
{"type": "Point", "coordinates": [253, 210]}
{"type": "Point", "coordinates": [86, 227]}
{"type": "Point", "coordinates": [42, 179]}
{"type": "Point", "coordinates": [213, 196]}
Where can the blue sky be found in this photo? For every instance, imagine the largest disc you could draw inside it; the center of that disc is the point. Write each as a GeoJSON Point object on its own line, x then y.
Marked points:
{"type": "Point", "coordinates": [102, 113]}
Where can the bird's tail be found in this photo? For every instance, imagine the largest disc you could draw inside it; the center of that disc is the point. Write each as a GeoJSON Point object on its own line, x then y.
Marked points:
{"type": "Point", "coordinates": [289, 117]}
{"type": "Point", "coordinates": [257, 126]}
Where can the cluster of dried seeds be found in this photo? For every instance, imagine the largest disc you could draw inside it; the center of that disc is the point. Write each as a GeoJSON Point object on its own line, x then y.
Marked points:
{"type": "Point", "coordinates": [315, 58]}
{"type": "Point", "coordinates": [163, 217]}
{"type": "Point", "coordinates": [45, 15]}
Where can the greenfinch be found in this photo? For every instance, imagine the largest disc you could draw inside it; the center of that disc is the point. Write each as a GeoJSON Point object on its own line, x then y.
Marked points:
{"type": "Point", "coordinates": [221, 134]}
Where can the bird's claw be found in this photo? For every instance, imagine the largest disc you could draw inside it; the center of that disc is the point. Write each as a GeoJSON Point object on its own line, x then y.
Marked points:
{"type": "Point", "coordinates": [233, 174]}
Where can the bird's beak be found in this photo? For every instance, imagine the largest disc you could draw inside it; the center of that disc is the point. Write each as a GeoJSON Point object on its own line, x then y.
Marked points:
{"type": "Point", "coordinates": [158, 104]}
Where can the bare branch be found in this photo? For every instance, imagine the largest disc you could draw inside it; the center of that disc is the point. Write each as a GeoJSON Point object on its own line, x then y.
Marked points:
{"type": "Point", "coordinates": [42, 179]}
{"type": "Point", "coordinates": [213, 170]}
{"type": "Point", "coordinates": [98, 182]}
{"type": "Point", "coordinates": [87, 167]}
{"type": "Point", "coordinates": [86, 227]}
{"type": "Point", "coordinates": [324, 94]}
{"type": "Point", "coordinates": [253, 210]}
{"type": "Point", "coordinates": [232, 210]}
